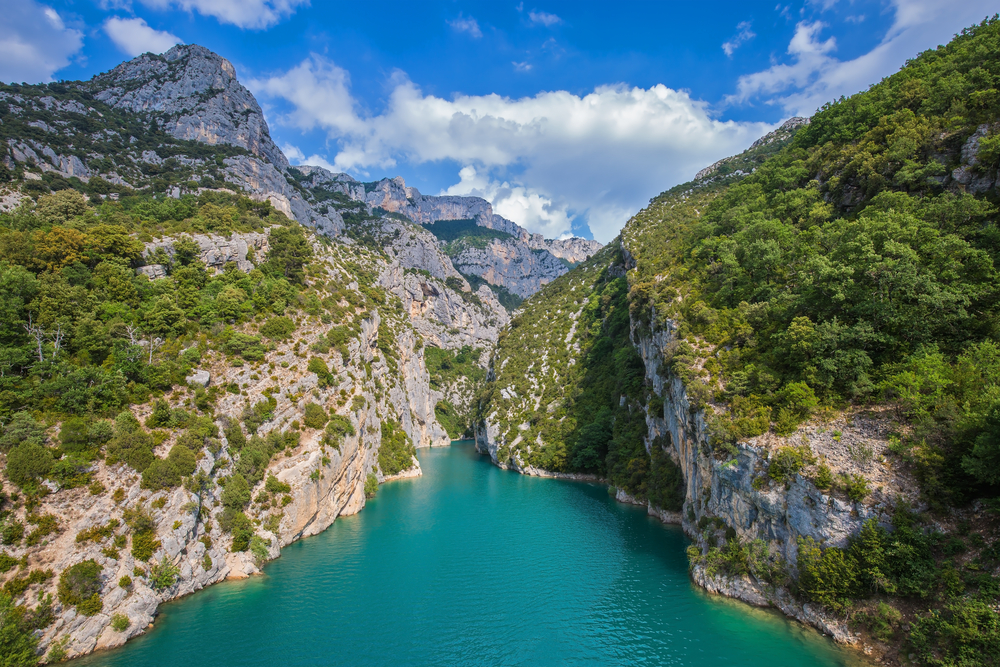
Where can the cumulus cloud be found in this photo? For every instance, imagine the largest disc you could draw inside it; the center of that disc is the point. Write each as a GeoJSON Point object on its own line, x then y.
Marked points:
{"type": "Point", "coordinates": [543, 159]}
{"type": "Point", "coordinates": [247, 14]}
{"type": "Point", "coordinates": [466, 24]}
{"type": "Point", "coordinates": [135, 37]}
{"type": "Point", "coordinates": [544, 18]}
{"type": "Point", "coordinates": [297, 157]}
{"type": "Point", "coordinates": [744, 35]}
{"type": "Point", "coordinates": [815, 75]}
{"type": "Point", "coordinates": [34, 42]}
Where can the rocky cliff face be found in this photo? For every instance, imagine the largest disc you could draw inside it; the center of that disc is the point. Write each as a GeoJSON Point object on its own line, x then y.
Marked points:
{"type": "Point", "coordinates": [194, 93]}
{"type": "Point", "coordinates": [511, 264]}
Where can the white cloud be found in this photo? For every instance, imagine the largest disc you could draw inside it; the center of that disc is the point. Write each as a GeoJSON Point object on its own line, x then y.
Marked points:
{"type": "Point", "coordinates": [466, 24]}
{"type": "Point", "coordinates": [544, 18]}
{"type": "Point", "coordinates": [135, 37]}
{"type": "Point", "coordinates": [523, 66]}
{"type": "Point", "coordinates": [744, 35]}
{"type": "Point", "coordinates": [601, 155]}
{"type": "Point", "coordinates": [252, 14]}
{"type": "Point", "coordinates": [297, 157]}
{"type": "Point", "coordinates": [526, 206]}
{"type": "Point", "coordinates": [815, 76]}
{"type": "Point", "coordinates": [34, 42]}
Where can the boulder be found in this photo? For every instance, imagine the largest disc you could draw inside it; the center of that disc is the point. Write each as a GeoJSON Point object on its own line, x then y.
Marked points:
{"type": "Point", "coordinates": [199, 377]}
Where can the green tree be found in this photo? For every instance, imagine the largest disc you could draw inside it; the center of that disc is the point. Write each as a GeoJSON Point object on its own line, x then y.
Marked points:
{"type": "Point", "coordinates": [18, 645]}
{"type": "Point", "coordinates": [288, 252]}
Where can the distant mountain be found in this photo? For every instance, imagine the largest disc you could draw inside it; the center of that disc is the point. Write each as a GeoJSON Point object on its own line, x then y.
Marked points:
{"type": "Point", "coordinates": [182, 123]}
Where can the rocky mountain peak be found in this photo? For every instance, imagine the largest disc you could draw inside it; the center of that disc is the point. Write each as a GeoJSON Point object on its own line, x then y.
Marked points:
{"type": "Point", "coordinates": [194, 94]}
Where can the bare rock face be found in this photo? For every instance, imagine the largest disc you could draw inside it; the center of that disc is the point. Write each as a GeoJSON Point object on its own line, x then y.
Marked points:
{"type": "Point", "coordinates": [511, 264]}
{"type": "Point", "coordinates": [574, 250]}
{"type": "Point", "coordinates": [444, 317]}
{"type": "Point", "coordinates": [195, 94]}
{"type": "Point", "coordinates": [215, 251]}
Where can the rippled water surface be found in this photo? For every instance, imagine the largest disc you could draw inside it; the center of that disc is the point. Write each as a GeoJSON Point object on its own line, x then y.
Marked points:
{"type": "Point", "coordinates": [472, 565]}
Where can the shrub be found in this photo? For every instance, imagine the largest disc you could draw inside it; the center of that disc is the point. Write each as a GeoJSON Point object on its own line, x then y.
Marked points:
{"type": "Point", "coordinates": [258, 547]}
{"type": "Point", "coordinates": [882, 621]}
{"type": "Point", "coordinates": [371, 485]}
{"type": "Point", "coordinates": [79, 585]}
{"type": "Point", "coordinates": [965, 632]}
{"type": "Point", "coordinates": [22, 429]}
{"type": "Point", "coordinates": [45, 524]}
{"type": "Point", "coordinates": [125, 581]}
{"type": "Point", "coordinates": [163, 574]}
{"type": "Point", "coordinates": [12, 532]}
{"type": "Point", "coordinates": [788, 461]}
{"type": "Point", "coordinates": [274, 485]}
{"type": "Point", "coordinates": [17, 642]}
{"type": "Point", "coordinates": [120, 623]}
{"type": "Point", "coordinates": [322, 371]}
{"type": "Point", "coordinates": [395, 453]}
{"type": "Point", "coordinates": [856, 487]}
{"type": "Point", "coordinates": [183, 459]}
{"type": "Point", "coordinates": [161, 474]}
{"type": "Point", "coordinates": [315, 416]}
{"type": "Point", "coordinates": [338, 427]}
{"type": "Point", "coordinates": [7, 562]}
{"type": "Point", "coordinates": [27, 463]}
{"type": "Point", "coordinates": [92, 606]}
{"type": "Point", "coordinates": [239, 526]}
{"type": "Point", "coordinates": [236, 494]}
{"type": "Point", "coordinates": [277, 328]}
{"type": "Point", "coordinates": [134, 447]}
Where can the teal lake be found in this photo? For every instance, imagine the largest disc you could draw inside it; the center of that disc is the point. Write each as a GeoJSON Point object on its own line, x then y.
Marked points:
{"type": "Point", "coordinates": [472, 565]}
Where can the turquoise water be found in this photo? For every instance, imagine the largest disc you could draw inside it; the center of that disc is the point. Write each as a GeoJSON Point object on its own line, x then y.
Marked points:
{"type": "Point", "coordinates": [472, 565]}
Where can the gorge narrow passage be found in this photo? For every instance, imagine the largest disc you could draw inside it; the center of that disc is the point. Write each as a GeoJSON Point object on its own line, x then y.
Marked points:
{"type": "Point", "coordinates": [472, 565]}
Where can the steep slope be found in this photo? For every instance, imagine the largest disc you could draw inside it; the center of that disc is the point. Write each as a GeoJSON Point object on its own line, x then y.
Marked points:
{"type": "Point", "coordinates": [807, 378]}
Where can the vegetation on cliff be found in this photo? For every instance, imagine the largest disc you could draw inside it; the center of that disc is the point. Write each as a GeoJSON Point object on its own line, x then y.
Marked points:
{"type": "Point", "coordinates": [849, 265]}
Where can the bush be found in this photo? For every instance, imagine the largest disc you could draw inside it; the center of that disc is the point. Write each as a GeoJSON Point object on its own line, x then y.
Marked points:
{"type": "Point", "coordinates": [120, 623]}
{"type": "Point", "coordinates": [788, 461]}
{"type": "Point", "coordinates": [965, 632]}
{"type": "Point", "coordinates": [236, 494]}
{"type": "Point", "coordinates": [183, 459]}
{"type": "Point", "coordinates": [274, 485]}
{"type": "Point", "coordinates": [163, 575]}
{"type": "Point", "coordinates": [28, 463]}
{"type": "Point", "coordinates": [371, 485]}
{"type": "Point", "coordinates": [79, 585]}
{"type": "Point", "coordinates": [315, 416]}
{"type": "Point", "coordinates": [239, 526]}
{"type": "Point", "coordinates": [277, 328]}
{"type": "Point", "coordinates": [18, 643]}
{"type": "Point", "coordinates": [125, 581]}
{"type": "Point", "coordinates": [322, 371]}
{"type": "Point", "coordinates": [259, 549]}
{"type": "Point", "coordinates": [338, 427]}
{"type": "Point", "coordinates": [134, 448]}
{"type": "Point", "coordinates": [12, 532]}
{"type": "Point", "coordinates": [161, 474]}
{"type": "Point", "coordinates": [395, 453]}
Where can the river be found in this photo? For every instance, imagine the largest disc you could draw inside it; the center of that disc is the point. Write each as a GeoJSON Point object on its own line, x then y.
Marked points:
{"type": "Point", "coordinates": [473, 565]}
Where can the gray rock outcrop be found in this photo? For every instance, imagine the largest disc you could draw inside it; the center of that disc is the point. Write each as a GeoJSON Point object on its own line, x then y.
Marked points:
{"type": "Point", "coordinates": [194, 93]}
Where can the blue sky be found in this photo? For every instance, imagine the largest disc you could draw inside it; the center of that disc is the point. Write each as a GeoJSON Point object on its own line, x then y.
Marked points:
{"type": "Point", "coordinates": [568, 116]}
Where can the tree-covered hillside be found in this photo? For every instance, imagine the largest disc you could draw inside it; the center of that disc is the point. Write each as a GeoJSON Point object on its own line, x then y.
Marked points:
{"type": "Point", "coordinates": [848, 270]}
